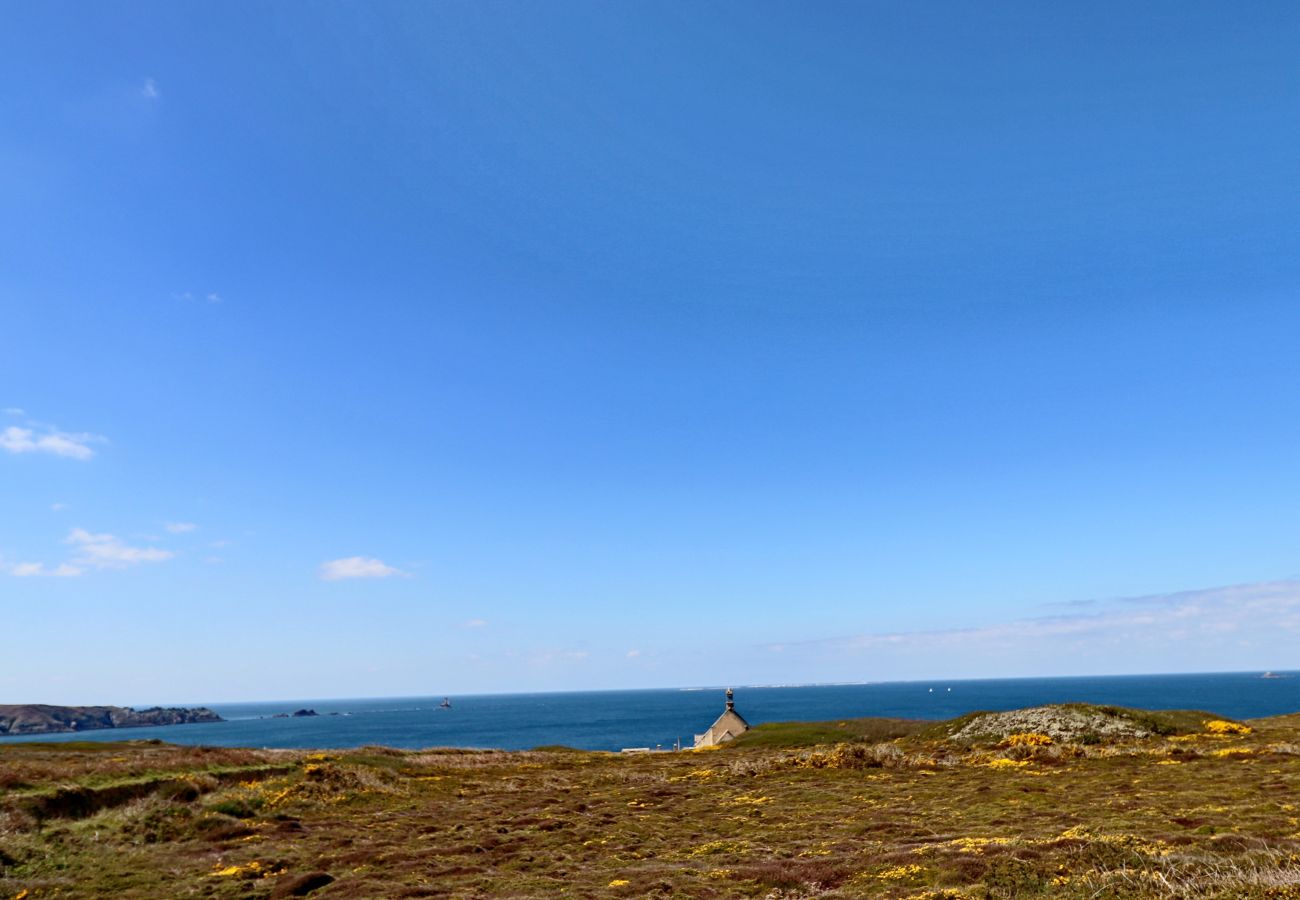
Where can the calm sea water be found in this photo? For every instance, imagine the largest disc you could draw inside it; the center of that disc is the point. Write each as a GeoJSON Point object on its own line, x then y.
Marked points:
{"type": "Point", "coordinates": [611, 720]}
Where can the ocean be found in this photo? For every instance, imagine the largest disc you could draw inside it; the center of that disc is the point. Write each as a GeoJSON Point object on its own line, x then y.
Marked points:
{"type": "Point", "coordinates": [613, 720]}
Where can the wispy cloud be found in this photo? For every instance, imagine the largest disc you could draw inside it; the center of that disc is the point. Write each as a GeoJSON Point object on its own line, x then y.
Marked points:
{"type": "Point", "coordinates": [1174, 616]}
{"type": "Point", "coordinates": [357, 567]}
{"type": "Point", "coordinates": [150, 90]}
{"type": "Point", "coordinates": [550, 657]}
{"type": "Point", "coordinates": [13, 411]}
{"type": "Point", "coordinates": [58, 507]}
{"type": "Point", "coordinates": [36, 438]}
{"type": "Point", "coordinates": [179, 527]}
{"type": "Point", "coordinates": [474, 623]}
{"type": "Point", "coordinates": [38, 570]}
{"type": "Point", "coordinates": [205, 296]}
{"type": "Point", "coordinates": [105, 551]}
{"type": "Point", "coordinates": [633, 654]}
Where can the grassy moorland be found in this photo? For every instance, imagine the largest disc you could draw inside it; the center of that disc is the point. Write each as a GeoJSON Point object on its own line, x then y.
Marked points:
{"type": "Point", "coordinates": [1080, 802]}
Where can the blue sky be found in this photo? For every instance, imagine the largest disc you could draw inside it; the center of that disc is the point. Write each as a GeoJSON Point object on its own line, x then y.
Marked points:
{"type": "Point", "coordinates": [407, 348]}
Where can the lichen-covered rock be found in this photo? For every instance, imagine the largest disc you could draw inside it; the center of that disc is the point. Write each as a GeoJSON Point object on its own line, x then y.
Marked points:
{"type": "Point", "coordinates": [1061, 723]}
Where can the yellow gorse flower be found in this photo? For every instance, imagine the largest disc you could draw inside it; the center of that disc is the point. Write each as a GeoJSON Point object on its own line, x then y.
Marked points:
{"type": "Point", "coordinates": [1007, 763]}
{"type": "Point", "coordinates": [898, 873]}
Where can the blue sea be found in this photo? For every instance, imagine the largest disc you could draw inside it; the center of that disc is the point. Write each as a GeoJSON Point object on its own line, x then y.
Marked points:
{"type": "Point", "coordinates": [612, 720]}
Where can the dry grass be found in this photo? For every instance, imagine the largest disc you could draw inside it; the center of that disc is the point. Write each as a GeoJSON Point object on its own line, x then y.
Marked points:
{"type": "Point", "coordinates": [87, 763]}
{"type": "Point", "coordinates": [1196, 815]}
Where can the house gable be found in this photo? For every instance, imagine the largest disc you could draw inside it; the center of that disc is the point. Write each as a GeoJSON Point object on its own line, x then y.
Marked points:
{"type": "Point", "coordinates": [728, 726]}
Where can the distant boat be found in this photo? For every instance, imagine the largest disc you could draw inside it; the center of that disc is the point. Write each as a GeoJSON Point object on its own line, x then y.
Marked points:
{"type": "Point", "coordinates": [1271, 675]}
{"type": "Point", "coordinates": [445, 704]}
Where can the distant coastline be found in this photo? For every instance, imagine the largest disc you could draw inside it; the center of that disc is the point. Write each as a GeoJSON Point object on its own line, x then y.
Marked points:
{"type": "Point", "coordinates": [612, 720]}
{"type": "Point", "coordinates": [39, 718]}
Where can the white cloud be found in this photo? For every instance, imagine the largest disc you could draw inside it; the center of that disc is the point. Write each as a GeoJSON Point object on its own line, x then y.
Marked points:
{"type": "Point", "coordinates": [58, 507]}
{"type": "Point", "coordinates": [356, 567]}
{"type": "Point", "coordinates": [179, 527]}
{"type": "Point", "coordinates": [48, 440]}
{"type": "Point", "coordinates": [13, 411]}
{"type": "Point", "coordinates": [475, 623]}
{"type": "Point", "coordinates": [213, 297]}
{"type": "Point", "coordinates": [633, 654]}
{"type": "Point", "coordinates": [36, 570]}
{"type": "Point", "coordinates": [90, 551]}
{"type": "Point", "coordinates": [150, 90]}
{"type": "Point", "coordinates": [104, 551]}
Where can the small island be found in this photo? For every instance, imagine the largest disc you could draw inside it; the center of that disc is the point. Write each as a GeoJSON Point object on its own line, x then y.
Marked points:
{"type": "Point", "coordinates": [297, 714]}
{"type": "Point", "coordinates": [39, 718]}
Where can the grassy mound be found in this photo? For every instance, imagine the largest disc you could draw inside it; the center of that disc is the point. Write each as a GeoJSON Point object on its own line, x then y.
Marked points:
{"type": "Point", "coordinates": [811, 734]}
{"type": "Point", "coordinates": [1081, 723]}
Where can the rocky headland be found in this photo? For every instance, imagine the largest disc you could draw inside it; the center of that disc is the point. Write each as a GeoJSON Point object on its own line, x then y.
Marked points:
{"type": "Point", "coordinates": [38, 718]}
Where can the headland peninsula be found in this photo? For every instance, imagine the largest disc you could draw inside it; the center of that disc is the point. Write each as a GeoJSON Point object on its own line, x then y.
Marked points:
{"type": "Point", "coordinates": [1072, 801]}
{"type": "Point", "coordinates": [40, 718]}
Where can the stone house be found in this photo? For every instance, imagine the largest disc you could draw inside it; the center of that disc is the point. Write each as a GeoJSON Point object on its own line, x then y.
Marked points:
{"type": "Point", "coordinates": [729, 725]}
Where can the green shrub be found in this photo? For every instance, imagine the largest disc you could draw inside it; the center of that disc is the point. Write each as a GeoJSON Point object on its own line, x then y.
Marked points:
{"type": "Point", "coordinates": [237, 807]}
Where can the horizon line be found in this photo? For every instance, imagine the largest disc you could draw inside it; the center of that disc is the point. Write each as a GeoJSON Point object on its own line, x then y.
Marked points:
{"type": "Point", "coordinates": [693, 688]}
